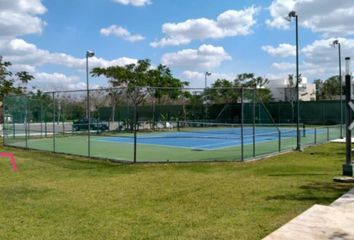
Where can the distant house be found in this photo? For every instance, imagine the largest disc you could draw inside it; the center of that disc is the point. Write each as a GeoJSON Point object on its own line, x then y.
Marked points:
{"type": "Point", "coordinates": [281, 90]}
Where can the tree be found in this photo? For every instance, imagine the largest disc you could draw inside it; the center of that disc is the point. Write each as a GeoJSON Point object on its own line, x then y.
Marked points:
{"type": "Point", "coordinates": [12, 83]}
{"type": "Point", "coordinates": [224, 91]}
{"type": "Point", "coordinates": [290, 92]}
{"type": "Point", "coordinates": [164, 83]}
{"type": "Point", "coordinates": [331, 88]}
{"type": "Point", "coordinates": [138, 78]}
{"type": "Point", "coordinates": [8, 80]}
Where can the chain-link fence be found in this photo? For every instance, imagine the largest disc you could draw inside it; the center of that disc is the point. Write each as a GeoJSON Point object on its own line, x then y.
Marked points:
{"type": "Point", "coordinates": [154, 124]}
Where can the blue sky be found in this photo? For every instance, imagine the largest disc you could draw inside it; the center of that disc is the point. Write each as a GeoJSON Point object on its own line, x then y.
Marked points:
{"type": "Point", "coordinates": [49, 37]}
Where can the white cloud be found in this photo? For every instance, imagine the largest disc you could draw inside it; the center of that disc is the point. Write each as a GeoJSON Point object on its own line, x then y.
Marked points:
{"type": "Point", "coordinates": [284, 66]}
{"type": "Point", "coordinates": [121, 32]}
{"type": "Point", "coordinates": [227, 24]}
{"type": "Point", "coordinates": [27, 57]}
{"type": "Point", "coordinates": [137, 3]}
{"type": "Point", "coordinates": [19, 17]}
{"type": "Point", "coordinates": [197, 79]}
{"type": "Point", "coordinates": [22, 67]}
{"type": "Point", "coordinates": [192, 75]}
{"type": "Point", "coordinates": [283, 50]}
{"type": "Point", "coordinates": [56, 81]}
{"type": "Point", "coordinates": [278, 10]}
{"type": "Point", "coordinates": [18, 51]}
{"type": "Point", "coordinates": [328, 17]}
{"type": "Point", "coordinates": [319, 59]}
{"type": "Point", "coordinates": [322, 59]}
{"type": "Point", "coordinates": [205, 57]}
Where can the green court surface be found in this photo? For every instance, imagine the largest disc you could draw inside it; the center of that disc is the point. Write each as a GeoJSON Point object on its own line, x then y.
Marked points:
{"type": "Point", "coordinates": [78, 145]}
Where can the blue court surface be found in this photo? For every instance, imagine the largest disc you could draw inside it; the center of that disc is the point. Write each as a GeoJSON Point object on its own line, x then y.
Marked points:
{"type": "Point", "coordinates": [207, 139]}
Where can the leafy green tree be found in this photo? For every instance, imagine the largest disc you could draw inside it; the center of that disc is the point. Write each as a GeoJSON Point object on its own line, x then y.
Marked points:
{"type": "Point", "coordinates": [9, 80]}
{"type": "Point", "coordinates": [139, 78]}
{"type": "Point", "coordinates": [331, 88]}
{"type": "Point", "coordinates": [328, 89]}
{"type": "Point", "coordinates": [164, 84]}
{"type": "Point", "coordinates": [224, 91]}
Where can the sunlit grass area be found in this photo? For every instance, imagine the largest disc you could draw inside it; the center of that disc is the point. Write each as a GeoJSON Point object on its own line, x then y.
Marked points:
{"type": "Point", "coordinates": [63, 197]}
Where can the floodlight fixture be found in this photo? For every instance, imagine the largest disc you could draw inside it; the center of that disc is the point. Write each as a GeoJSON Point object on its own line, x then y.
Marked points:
{"type": "Point", "coordinates": [207, 74]}
{"type": "Point", "coordinates": [89, 54]}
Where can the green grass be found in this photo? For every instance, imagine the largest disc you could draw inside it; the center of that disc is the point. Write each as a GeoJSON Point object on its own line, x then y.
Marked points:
{"type": "Point", "coordinates": [63, 197]}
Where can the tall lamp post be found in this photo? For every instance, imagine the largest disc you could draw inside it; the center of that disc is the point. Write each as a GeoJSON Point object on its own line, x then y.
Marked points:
{"type": "Point", "coordinates": [291, 15]}
{"type": "Point", "coordinates": [336, 42]}
{"type": "Point", "coordinates": [205, 93]}
{"type": "Point", "coordinates": [88, 55]}
{"type": "Point", "coordinates": [207, 74]}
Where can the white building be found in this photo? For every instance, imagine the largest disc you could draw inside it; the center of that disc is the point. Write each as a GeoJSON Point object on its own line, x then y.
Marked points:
{"type": "Point", "coordinates": [282, 92]}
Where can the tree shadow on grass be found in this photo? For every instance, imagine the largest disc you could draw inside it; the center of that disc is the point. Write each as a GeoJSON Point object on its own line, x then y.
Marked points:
{"type": "Point", "coordinates": [297, 174]}
{"type": "Point", "coordinates": [319, 193]}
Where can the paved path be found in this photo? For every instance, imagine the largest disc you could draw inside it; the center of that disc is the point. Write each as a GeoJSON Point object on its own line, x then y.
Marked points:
{"type": "Point", "coordinates": [335, 222]}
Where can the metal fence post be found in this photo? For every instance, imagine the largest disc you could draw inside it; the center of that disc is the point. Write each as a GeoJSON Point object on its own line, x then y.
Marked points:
{"type": "Point", "coordinates": [41, 119]}
{"type": "Point", "coordinates": [254, 122]}
{"type": "Point", "coordinates": [28, 121]}
{"type": "Point", "coordinates": [25, 122]}
{"type": "Point", "coordinates": [89, 124]}
{"type": "Point", "coordinates": [242, 124]}
{"type": "Point", "coordinates": [13, 126]}
{"type": "Point", "coordinates": [45, 125]}
{"type": "Point", "coordinates": [53, 95]}
{"type": "Point", "coordinates": [135, 132]}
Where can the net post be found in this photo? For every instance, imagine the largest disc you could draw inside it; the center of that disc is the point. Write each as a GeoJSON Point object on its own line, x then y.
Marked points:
{"type": "Point", "coordinates": [327, 133]}
{"type": "Point", "coordinates": [242, 123]}
{"type": "Point", "coordinates": [279, 139]}
{"type": "Point", "coordinates": [315, 135]}
{"type": "Point", "coordinates": [53, 96]}
{"type": "Point", "coordinates": [304, 130]}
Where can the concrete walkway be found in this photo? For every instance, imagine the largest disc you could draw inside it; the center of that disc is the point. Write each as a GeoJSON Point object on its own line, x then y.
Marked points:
{"type": "Point", "coordinates": [335, 222]}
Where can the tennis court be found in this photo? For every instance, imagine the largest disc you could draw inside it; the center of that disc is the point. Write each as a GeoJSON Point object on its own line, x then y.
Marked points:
{"type": "Point", "coordinates": [196, 125]}
{"type": "Point", "coordinates": [197, 142]}
{"type": "Point", "coordinates": [207, 140]}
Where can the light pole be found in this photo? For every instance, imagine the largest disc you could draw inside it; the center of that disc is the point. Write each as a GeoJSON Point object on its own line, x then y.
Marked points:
{"type": "Point", "coordinates": [348, 167]}
{"type": "Point", "coordinates": [291, 15]}
{"type": "Point", "coordinates": [206, 78]}
{"type": "Point", "coordinates": [205, 94]}
{"type": "Point", "coordinates": [336, 42]}
{"type": "Point", "coordinates": [88, 55]}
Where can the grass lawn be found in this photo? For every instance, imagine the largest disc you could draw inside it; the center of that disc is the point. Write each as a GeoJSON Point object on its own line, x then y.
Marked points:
{"type": "Point", "coordinates": [63, 197]}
